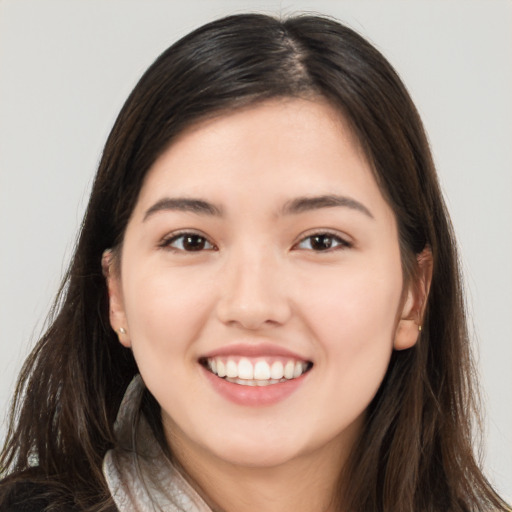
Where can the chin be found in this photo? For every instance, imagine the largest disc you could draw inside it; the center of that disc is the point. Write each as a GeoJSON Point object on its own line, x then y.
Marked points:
{"type": "Point", "coordinates": [257, 456]}
{"type": "Point", "coordinates": [254, 448]}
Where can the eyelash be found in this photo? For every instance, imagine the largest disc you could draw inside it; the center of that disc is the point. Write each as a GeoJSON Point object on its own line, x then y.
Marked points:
{"type": "Point", "coordinates": [340, 243]}
{"type": "Point", "coordinates": [173, 238]}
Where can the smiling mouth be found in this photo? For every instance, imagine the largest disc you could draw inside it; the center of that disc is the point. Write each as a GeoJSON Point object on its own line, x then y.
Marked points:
{"type": "Point", "coordinates": [255, 371]}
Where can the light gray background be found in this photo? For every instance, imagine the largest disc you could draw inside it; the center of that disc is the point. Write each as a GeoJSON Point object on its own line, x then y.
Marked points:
{"type": "Point", "coordinates": [66, 67]}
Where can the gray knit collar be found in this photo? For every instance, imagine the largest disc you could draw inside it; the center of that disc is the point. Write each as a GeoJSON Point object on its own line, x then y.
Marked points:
{"type": "Point", "coordinates": [139, 475]}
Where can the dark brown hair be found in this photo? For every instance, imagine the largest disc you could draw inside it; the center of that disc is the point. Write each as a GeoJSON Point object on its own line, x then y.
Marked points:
{"type": "Point", "coordinates": [415, 452]}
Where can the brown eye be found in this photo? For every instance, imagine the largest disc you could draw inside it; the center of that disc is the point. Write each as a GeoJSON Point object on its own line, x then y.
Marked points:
{"type": "Point", "coordinates": [189, 242]}
{"type": "Point", "coordinates": [194, 243]}
{"type": "Point", "coordinates": [322, 242]}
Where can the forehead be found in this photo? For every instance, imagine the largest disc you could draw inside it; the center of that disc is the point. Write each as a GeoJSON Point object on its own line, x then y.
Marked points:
{"type": "Point", "coordinates": [277, 148]}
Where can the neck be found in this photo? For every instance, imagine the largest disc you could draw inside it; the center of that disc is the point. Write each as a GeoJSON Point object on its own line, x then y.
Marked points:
{"type": "Point", "coordinates": [308, 483]}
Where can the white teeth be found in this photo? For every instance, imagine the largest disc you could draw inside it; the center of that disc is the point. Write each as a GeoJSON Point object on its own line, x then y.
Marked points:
{"type": "Point", "coordinates": [289, 370]}
{"type": "Point", "coordinates": [231, 369]}
{"type": "Point", "coordinates": [221, 369]}
{"type": "Point", "coordinates": [277, 370]}
{"type": "Point", "coordinates": [253, 382]}
{"type": "Point", "coordinates": [245, 369]}
{"type": "Point", "coordinates": [256, 373]}
{"type": "Point", "coordinates": [262, 371]}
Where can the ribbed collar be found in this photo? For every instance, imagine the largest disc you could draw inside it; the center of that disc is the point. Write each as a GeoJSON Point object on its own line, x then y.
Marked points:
{"type": "Point", "coordinates": [139, 475]}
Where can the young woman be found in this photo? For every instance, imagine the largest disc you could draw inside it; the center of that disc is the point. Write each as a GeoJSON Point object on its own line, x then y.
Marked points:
{"type": "Point", "coordinates": [264, 308]}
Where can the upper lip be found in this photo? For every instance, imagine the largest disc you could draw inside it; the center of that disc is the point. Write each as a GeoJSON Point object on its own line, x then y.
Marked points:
{"type": "Point", "coordinates": [254, 350]}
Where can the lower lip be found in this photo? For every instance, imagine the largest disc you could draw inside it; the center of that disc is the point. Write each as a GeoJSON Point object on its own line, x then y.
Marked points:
{"type": "Point", "coordinates": [254, 396]}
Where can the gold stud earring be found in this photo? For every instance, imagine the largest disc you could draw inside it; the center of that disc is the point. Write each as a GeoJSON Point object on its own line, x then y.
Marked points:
{"type": "Point", "coordinates": [419, 328]}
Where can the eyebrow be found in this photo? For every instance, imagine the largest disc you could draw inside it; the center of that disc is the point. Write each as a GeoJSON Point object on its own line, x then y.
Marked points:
{"type": "Point", "coordinates": [295, 206]}
{"type": "Point", "coordinates": [184, 204]}
{"type": "Point", "coordinates": [308, 203]}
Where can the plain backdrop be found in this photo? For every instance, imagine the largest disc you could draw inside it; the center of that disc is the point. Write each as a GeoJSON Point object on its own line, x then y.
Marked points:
{"type": "Point", "coordinates": [67, 66]}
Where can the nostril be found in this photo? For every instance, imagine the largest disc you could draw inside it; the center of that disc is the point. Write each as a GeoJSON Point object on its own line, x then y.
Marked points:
{"type": "Point", "coordinates": [253, 316]}
{"type": "Point", "coordinates": [253, 297]}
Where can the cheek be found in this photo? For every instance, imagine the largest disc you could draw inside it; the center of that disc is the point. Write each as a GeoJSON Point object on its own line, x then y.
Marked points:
{"type": "Point", "coordinates": [362, 302]}
{"type": "Point", "coordinates": [165, 312]}
{"type": "Point", "coordinates": [353, 318]}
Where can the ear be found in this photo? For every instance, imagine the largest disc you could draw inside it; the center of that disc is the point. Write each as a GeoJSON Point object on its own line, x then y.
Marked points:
{"type": "Point", "coordinates": [414, 303]}
{"type": "Point", "coordinates": [117, 314]}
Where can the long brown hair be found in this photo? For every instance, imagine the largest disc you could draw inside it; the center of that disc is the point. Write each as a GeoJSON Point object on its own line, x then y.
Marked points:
{"type": "Point", "coordinates": [416, 451]}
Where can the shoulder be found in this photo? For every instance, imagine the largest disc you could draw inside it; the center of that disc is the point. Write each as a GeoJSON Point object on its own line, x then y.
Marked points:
{"type": "Point", "coordinates": [20, 495]}
{"type": "Point", "coordinates": [24, 497]}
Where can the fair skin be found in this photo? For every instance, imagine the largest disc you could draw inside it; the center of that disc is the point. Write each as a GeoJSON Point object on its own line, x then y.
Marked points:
{"type": "Point", "coordinates": [289, 253]}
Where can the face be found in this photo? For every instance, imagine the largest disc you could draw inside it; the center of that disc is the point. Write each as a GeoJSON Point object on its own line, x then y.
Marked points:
{"type": "Point", "coordinates": [260, 285]}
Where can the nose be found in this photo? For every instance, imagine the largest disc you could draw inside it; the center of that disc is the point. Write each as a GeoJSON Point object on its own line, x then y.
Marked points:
{"type": "Point", "coordinates": [253, 293]}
